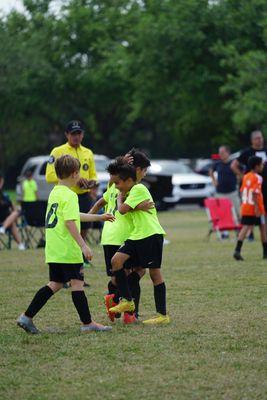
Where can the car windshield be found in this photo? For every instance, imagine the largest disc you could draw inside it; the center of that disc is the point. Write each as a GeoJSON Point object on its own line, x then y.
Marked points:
{"type": "Point", "coordinates": [169, 167]}
{"type": "Point", "coordinates": [101, 164]}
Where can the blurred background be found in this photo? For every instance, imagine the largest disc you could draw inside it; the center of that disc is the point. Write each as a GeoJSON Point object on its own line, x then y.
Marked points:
{"type": "Point", "coordinates": [176, 78]}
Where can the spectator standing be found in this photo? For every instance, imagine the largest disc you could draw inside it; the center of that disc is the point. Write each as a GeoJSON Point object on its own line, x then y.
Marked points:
{"type": "Point", "coordinates": [257, 148]}
{"type": "Point", "coordinates": [29, 188]}
{"type": "Point", "coordinates": [225, 182]}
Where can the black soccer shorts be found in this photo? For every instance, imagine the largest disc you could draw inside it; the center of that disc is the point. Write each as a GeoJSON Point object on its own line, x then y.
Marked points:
{"type": "Point", "coordinates": [145, 253]}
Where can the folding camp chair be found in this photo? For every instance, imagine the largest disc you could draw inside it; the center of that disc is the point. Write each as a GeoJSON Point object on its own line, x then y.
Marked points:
{"type": "Point", "coordinates": [6, 240]}
{"type": "Point", "coordinates": [33, 223]}
{"type": "Point", "coordinates": [221, 215]}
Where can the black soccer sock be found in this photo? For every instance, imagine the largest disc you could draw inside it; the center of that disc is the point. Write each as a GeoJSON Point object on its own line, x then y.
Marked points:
{"type": "Point", "coordinates": [238, 246]}
{"type": "Point", "coordinates": [112, 289]}
{"type": "Point", "coordinates": [160, 298]}
{"type": "Point", "coordinates": [39, 300]}
{"type": "Point", "coordinates": [122, 283]}
{"type": "Point", "coordinates": [264, 245]}
{"type": "Point", "coordinates": [134, 285]}
{"type": "Point", "coordinates": [81, 304]}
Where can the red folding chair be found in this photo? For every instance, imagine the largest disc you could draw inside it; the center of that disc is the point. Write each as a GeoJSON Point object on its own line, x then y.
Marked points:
{"type": "Point", "coordinates": [221, 215]}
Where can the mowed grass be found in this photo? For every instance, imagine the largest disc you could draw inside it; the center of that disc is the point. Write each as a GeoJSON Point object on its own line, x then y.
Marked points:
{"type": "Point", "coordinates": [213, 348]}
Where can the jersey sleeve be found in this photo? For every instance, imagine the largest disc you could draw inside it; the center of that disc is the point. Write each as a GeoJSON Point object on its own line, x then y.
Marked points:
{"type": "Point", "coordinates": [137, 194]}
{"type": "Point", "coordinates": [106, 196]}
{"type": "Point", "coordinates": [70, 208]}
{"type": "Point", "coordinates": [50, 173]}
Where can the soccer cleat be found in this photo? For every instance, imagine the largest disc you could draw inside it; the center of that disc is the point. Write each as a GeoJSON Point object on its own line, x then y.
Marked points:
{"type": "Point", "coordinates": [110, 303]}
{"type": "Point", "coordinates": [237, 256]}
{"type": "Point", "coordinates": [94, 327]}
{"type": "Point", "coordinates": [129, 318]}
{"type": "Point", "coordinates": [159, 320]}
{"type": "Point", "coordinates": [27, 324]}
{"type": "Point", "coordinates": [123, 306]}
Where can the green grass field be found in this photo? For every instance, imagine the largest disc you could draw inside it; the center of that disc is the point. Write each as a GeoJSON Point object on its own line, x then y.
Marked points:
{"type": "Point", "coordinates": [213, 349]}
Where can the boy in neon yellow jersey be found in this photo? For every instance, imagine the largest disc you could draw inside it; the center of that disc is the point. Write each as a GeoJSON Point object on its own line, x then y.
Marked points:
{"type": "Point", "coordinates": [64, 248]}
{"type": "Point", "coordinates": [114, 235]}
{"type": "Point", "coordinates": [144, 245]}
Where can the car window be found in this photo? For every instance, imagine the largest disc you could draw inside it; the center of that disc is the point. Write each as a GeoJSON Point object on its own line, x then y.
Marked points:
{"type": "Point", "coordinates": [101, 165]}
{"type": "Point", "coordinates": [43, 168]}
{"type": "Point", "coordinates": [170, 167]}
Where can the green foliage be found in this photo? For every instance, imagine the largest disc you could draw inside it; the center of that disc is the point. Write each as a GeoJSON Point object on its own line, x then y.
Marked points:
{"type": "Point", "coordinates": [177, 78]}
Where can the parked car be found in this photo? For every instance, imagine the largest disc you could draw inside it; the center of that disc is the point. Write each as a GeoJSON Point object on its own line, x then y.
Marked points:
{"type": "Point", "coordinates": [38, 167]}
{"type": "Point", "coordinates": [188, 186]}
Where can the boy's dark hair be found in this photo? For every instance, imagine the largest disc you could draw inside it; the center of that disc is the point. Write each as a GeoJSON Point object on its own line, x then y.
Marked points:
{"type": "Point", "coordinates": [140, 159]}
{"type": "Point", "coordinates": [120, 168]}
{"type": "Point", "coordinates": [254, 161]}
{"type": "Point", "coordinates": [66, 165]}
{"type": "Point", "coordinates": [28, 173]}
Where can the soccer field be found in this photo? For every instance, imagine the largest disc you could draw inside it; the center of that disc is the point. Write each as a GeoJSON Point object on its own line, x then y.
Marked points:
{"type": "Point", "coordinates": [213, 348]}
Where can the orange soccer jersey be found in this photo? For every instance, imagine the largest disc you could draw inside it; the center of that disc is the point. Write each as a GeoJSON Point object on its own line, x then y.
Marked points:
{"type": "Point", "coordinates": [251, 184]}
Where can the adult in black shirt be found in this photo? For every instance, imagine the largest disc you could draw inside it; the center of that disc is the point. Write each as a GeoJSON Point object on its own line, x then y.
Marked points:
{"type": "Point", "coordinates": [225, 180]}
{"type": "Point", "coordinates": [257, 148]}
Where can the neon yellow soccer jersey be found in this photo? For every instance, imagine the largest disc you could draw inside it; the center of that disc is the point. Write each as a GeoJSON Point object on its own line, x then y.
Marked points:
{"type": "Point", "coordinates": [115, 233]}
{"type": "Point", "coordinates": [29, 187]}
{"type": "Point", "coordinates": [60, 246]}
{"type": "Point", "coordinates": [145, 223]}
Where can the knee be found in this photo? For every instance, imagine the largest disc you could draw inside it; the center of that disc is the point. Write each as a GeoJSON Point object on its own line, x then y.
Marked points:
{"type": "Point", "coordinates": [140, 271]}
{"type": "Point", "coordinates": [55, 286]}
{"type": "Point", "coordinates": [76, 284]}
{"type": "Point", "coordinates": [115, 262]}
{"type": "Point", "coordinates": [156, 276]}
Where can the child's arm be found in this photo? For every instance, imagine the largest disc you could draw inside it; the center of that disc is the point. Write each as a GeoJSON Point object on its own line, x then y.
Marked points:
{"type": "Point", "coordinates": [146, 205]}
{"type": "Point", "coordinates": [98, 205]}
{"type": "Point", "coordinates": [96, 217]}
{"type": "Point", "coordinates": [214, 180]}
{"type": "Point", "coordinates": [123, 208]}
{"type": "Point", "coordinates": [72, 228]}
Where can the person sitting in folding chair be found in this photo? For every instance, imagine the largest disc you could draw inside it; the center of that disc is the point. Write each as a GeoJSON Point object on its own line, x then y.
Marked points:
{"type": "Point", "coordinates": [8, 218]}
{"type": "Point", "coordinates": [33, 212]}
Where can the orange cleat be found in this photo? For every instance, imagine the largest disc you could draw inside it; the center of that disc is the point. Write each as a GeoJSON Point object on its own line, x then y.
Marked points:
{"type": "Point", "coordinates": [109, 302]}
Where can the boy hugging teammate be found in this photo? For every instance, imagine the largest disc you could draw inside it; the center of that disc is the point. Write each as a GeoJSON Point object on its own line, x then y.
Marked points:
{"type": "Point", "coordinates": [115, 233]}
{"type": "Point", "coordinates": [144, 245]}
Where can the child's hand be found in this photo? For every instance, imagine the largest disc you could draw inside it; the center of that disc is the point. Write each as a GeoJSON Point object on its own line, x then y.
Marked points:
{"type": "Point", "coordinates": [128, 159]}
{"type": "Point", "coordinates": [257, 212]}
{"type": "Point", "coordinates": [108, 217]}
{"type": "Point", "coordinates": [87, 252]}
{"type": "Point", "coordinates": [146, 205]}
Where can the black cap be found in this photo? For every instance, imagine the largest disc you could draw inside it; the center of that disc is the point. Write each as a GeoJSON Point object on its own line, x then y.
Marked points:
{"type": "Point", "coordinates": [74, 126]}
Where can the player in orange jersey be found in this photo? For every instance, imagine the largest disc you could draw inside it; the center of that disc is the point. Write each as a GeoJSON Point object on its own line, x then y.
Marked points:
{"type": "Point", "coordinates": [252, 207]}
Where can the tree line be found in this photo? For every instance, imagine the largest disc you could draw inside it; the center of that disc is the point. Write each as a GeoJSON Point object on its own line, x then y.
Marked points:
{"type": "Point", "coordinates": [174, 77]}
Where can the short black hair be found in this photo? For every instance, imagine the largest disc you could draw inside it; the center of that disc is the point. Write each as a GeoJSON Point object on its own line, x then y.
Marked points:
{"type": "Point", "coordinates": [120, 168]}
{"type": "Point", "coordinates": [140, 159]}
{"type": "Point", "coordinates": [253, 161]}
